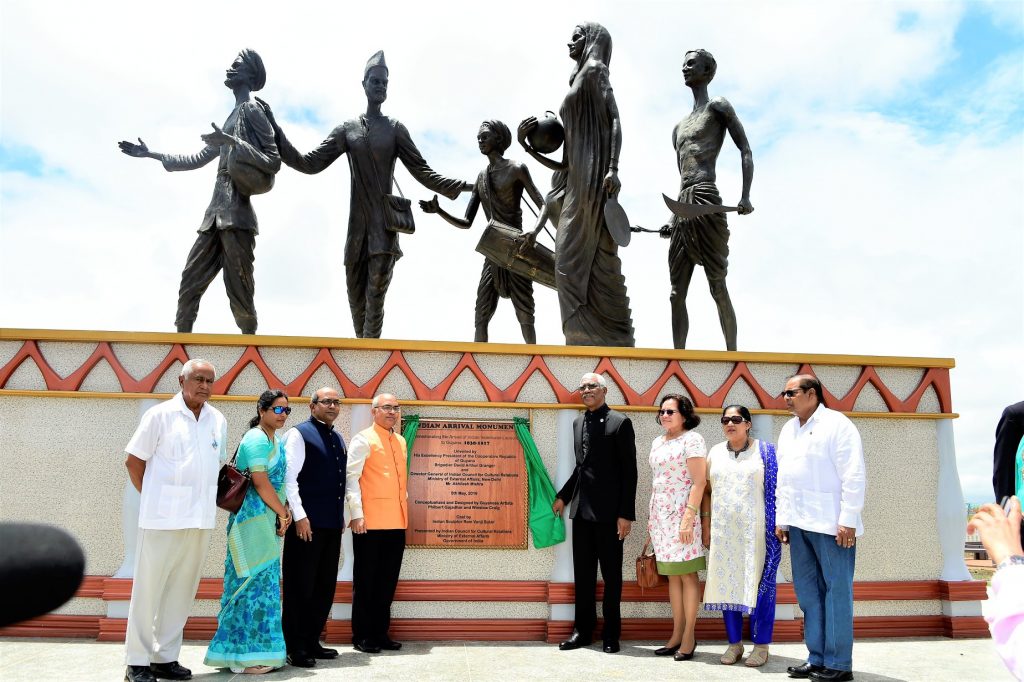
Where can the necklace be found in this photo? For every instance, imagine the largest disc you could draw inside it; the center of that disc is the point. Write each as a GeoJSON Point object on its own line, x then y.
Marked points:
{"type": "Point", "coordinates": [736, 453]}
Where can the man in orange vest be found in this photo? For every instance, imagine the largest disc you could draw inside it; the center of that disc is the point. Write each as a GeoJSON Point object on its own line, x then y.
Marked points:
{"type": "Point", "coordinates": [376, 497]}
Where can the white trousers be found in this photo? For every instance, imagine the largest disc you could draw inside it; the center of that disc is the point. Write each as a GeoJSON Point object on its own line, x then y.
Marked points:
{"type": "Point", "coordinates": [168, 564]}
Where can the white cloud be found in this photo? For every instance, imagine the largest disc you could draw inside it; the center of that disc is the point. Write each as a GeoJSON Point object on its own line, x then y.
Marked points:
{"type": "Point", "coordinates": [872, 234]}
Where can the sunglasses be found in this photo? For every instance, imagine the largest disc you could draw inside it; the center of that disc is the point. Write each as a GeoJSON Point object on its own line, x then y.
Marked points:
{"type": "Point", "coordinates": [667, 413]}
{"type": "Point", "coordinates": [792, 392]}
{"type": "Point", "coordinates": [329, 402]}
{"type": "Point", "coordinates": [589, 387]}
{"type": "Point", "coordinates": [735, 419]}
{"type": "Point", "coordinates": [279, 409]}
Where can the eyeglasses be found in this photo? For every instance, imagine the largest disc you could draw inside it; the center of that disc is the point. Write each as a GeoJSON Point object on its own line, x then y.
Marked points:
{"type": "Point", "coordinates": [329, 402]}
{"type": "Point", "coordinates": [280, 409]}
{"type": "Point", "coordinates": [792, 392]}
{"type": "Point", "coordinates": [390, 409]}
{"type": "Point", "coordinates": [667, 413]}
{"type": "Point", "coordinates": [589, 387]}
{"type": "Point", "coordinates": [735, 419]}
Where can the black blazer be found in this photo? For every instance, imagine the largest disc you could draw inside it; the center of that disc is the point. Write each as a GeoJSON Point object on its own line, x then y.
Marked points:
{"type": "Point", "coordinates": [603, 488]}
{"type": "Point", "coordinates": [1008, 434]}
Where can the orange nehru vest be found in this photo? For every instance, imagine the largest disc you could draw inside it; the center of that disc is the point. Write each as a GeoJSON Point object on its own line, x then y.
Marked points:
{"type": "Point", "coordinates": [383, 481]}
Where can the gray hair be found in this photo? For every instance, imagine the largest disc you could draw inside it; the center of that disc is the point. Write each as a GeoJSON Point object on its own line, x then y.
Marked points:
{"type": "Point", "coordinates": [376, 398]}
{"type": "Point", "coordinates": [190, 366]}
{"type": "Point", "coordinates": [597, 378]}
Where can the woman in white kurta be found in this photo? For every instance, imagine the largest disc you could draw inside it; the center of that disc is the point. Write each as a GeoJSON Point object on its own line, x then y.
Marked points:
{"type": "Point", "coordinates": [677, 463]}
{"type": "Point", "coordinates": [744, 553]}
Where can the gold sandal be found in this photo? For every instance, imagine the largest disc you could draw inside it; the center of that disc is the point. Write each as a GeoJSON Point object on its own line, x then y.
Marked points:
{"type": "Point", "coordinates": [732, 654]}
{"type": "Point", "coordinates": [757, 657]}
{"type": "Point", "coordinates": [258, 670]}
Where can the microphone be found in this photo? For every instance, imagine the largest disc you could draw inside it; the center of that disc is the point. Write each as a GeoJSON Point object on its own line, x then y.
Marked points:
{"type": "Point", "coordinates": [41, 567]}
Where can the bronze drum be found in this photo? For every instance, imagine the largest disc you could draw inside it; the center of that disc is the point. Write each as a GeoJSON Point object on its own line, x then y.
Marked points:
{"type": "Point", "coordinates": [500, 243]}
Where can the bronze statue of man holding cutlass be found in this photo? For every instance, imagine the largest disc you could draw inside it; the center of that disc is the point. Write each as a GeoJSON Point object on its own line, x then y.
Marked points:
{"type": "Point", "coordinates": [698, 231]}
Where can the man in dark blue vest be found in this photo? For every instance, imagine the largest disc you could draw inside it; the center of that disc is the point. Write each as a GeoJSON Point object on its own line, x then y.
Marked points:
{"type": "Point", "coordinates": [315, 483]}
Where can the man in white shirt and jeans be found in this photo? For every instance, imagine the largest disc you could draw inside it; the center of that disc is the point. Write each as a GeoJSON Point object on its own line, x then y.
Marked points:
{"type": "Point", "coordinates": [820, 496]}
{"type": "Point", "coordinates": [173, 460]}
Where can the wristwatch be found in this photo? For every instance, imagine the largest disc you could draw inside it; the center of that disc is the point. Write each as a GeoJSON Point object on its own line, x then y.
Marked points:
{"type": "Point", "coordinates": [1013, 560]}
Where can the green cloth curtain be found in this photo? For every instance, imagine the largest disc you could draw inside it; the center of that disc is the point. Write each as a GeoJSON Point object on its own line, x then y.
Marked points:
{"type": "Point", "coordinates": [547, 527]}
{"type": "Point", "coordinates": [409, 429]}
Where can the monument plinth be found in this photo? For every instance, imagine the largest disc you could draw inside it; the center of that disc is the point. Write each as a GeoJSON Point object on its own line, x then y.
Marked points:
{"type": "Point", "coordinates": [72, 399]}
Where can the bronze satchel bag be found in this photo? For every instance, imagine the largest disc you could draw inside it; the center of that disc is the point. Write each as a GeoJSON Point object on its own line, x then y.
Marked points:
{"type": "Point", "coordinates": [232, 485]}
{"type": "Point", "coordinates": [647, 576]}
{"type": "Point", "coordinates": [397, 209]}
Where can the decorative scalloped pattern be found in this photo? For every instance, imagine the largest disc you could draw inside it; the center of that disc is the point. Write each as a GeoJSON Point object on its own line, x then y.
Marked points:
{"type": "Point", "coordinates": [934, 378]}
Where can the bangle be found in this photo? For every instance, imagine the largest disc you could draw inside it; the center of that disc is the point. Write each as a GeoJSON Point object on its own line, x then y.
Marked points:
{"type": "Point", "coordinates": [693, 508]}
{"type": "Point", "coordinates": [705, 515]}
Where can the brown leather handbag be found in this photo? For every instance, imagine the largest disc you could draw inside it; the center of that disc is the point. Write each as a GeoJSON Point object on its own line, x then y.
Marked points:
{"type": "Point", "coordinates": [647, 576]}
{"type": "Point", "coordinates": [232, 485]}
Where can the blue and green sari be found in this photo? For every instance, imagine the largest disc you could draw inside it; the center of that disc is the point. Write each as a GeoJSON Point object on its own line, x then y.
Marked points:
{"type": "Point", "coordinates": [249, 624]}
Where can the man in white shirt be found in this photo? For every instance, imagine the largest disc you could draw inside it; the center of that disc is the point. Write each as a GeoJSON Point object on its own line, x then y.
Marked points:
{"type": "Point", "coordinates": [173, 461]}
{"type": "Point", "coordinates": [315, 483]}
{"type": "Point", "coordinates": [820, 496]}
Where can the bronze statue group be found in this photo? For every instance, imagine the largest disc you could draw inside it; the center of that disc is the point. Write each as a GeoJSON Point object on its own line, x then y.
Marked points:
{"type": "Point", "coordinates": [582, 204]}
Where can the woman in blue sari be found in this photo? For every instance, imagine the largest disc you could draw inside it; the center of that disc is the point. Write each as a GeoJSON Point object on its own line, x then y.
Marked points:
{"type": "Point", "coordinates": [249, 637]}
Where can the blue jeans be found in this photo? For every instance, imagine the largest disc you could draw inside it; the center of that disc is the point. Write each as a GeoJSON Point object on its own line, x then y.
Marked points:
{"type": "Point", "coordinates": [823, 580]}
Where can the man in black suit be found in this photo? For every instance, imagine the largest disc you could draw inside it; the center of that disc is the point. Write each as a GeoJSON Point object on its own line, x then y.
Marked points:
{"type": "Point", "coordinates": [1009, 432]}
{"type": "Point", "coordinates": [601, 494]}
{"type": "Point", "coordinates": [315, 484]}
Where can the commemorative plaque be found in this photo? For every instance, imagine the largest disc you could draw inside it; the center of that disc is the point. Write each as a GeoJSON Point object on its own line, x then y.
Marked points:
{"type": "Point", "coordinates": [467, 486]}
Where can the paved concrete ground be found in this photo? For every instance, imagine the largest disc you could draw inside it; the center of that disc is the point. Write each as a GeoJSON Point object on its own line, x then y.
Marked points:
{"type": "Point", "coordinates": [875, 661]}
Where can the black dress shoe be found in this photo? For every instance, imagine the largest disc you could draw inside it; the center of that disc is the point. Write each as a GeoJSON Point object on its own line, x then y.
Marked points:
{"type": "Point", "coordinates": [666, 650]}
{"type": "Point", "coordinates": [611, 646]}
{"type": "Point", "coordinates": [139, 673]}
{"type": "Point", "coordinates": [575, 641]}
{"type": "Point", "coordinates": [830, 675]}
{"type": "Point", "coordinates": [390, 645]}
{"type": "Point", "coordinates": [684, 656]}
{"type": "Point", "coordinates": [301, 659]}
{"type": "Point", "coordinates": [366, 646]}
{"type": "Point", "coordinates": [802, 671]}
{"type": "Point", "coordinates": [323, 653]}
{"type": "Point", "coordinates": [170, 671]}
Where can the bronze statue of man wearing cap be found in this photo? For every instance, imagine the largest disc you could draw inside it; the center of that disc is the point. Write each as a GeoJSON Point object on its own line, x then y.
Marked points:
{"type": "Point", "coordinates": [373, 143]}
{"type": "Point", "coordinates": [247, 162]}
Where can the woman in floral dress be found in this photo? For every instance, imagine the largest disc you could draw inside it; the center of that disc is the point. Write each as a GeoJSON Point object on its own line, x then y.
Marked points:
{"type": "Point", "coordinates": [744, 553]}
{"type": "Point", "coordinates": [249, 637]}
{"type": "Point", "coordinates": [677, 463]}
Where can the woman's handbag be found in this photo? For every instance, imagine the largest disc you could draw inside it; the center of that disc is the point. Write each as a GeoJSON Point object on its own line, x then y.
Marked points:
{"type": "Point", "coordinates": [232, 485]}
{"type": "Point", "coordinates": [647, 576]}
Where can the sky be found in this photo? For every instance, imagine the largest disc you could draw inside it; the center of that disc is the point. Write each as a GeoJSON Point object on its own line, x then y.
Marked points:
{"type": "Point", "coordinates": [887, 143]}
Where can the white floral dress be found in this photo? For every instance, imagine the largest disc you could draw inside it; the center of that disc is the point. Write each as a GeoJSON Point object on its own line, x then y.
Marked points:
{"type": "Point", "coordinates": [669, 496]}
